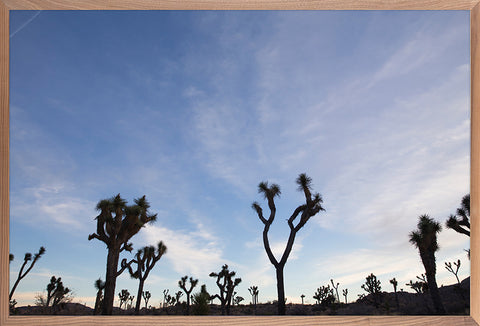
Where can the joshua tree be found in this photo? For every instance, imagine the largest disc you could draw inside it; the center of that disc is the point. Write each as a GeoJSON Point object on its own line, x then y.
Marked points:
{"type": "Point", "coordinates": [449, 268]}
{"type": "Point", "coordinates": [165, 295]}
{"type": "Point", "coordinates": [183, 285]}
{"type": "Point", "coordinates": [394, 282]}
{"type": "Point", "coordinates": [56, 291]}
{"type": "Point", "coordinates": [238, 299]}
{"type": "Point", "coordinates": [373, 286]}
{"type": "Point", "coordinates": [21, 273]}
{"type": "Point", "coordinates": [425, 239]}
{"type": "Point", "coordinates": [144, 260]}
{"type": "Point", "coordinates": [461, 221]}
{"type": "Point", "coordinates": [117, 223]}
{"type": "Point", "coordinates": [254, 293]}
{"type": "Point", "coordinates": [178, 295]}
{"type": "Point", "coordinates": [99, 285]}
{"type": "Point", "coordinates": [311, 207]}
{"type": "Point", "coordinates": [146, 296]}
{"type": "Point", "coordinates": [324, 296]}
{"type": "Point", "coordinates": [345, 293]}
{"type": "Point", "coordinates": [56, 294]}
{"type": "Point", "coordinates": [336, 289]}
{"type": "Point", "coordinates": [123, 296]}
{"type": "Point", "coordinates": [170, 300]}
{"type": "Point", "coordinates": [420, 286]}
{"type": "Point", "coordinates": [226, 285]}
{"type": "Point", "coordinates": [130, 298]}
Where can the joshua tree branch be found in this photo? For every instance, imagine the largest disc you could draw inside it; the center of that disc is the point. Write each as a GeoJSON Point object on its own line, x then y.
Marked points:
{"type": "Point", "coordinates": [125, 265]}
{"type": "Point", "coordinates": [266, 244]}
{"type": "Point", "coordinates": [96, 236]}
{"type": "Point", "coordinates": [297, 211]}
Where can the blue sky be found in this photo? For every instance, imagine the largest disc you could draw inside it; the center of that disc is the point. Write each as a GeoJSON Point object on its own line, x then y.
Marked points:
{"type": "Point", "coordinates": [194, 109]}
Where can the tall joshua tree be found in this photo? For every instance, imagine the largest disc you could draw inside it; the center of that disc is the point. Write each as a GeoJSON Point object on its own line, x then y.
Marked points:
{"type": "Point", "coordinates": [183, 285]}
{"type": "Point", "coordinates": [99, 285]}
{"type": "Point", "coordinates": [145, 260]}
{"type": "Point", "coordinates": [117, 223]}
{"type": "Point", "coordinates": [425, 239]}
{"type": "Point", "coordinates": [226, 285]}
{"type": "Point", "coordinates": [21, 273]}
{"type": "Point", "coordinates": [311, 207]}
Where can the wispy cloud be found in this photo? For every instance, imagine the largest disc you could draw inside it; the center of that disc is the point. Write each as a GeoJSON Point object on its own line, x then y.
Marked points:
{"type": "Point", "coordinates": [52, 205]}
{"type": "Point", "coordinates": [194, 253]}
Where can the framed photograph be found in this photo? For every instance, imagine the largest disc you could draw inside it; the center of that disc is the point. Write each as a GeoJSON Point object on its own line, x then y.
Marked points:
{"type": "Point", "coordinates": [317, 160]}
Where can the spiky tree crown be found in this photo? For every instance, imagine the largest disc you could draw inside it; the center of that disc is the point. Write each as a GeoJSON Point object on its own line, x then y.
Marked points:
{"type": "Point", "coordinates": [118, 222]}
{"type": "Point", "coordinates": [99, 284]}
{"type": "Point", "coordinates": [425, 237]}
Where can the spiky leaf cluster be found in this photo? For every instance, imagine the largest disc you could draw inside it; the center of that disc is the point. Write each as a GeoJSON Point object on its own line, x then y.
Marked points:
{"type": "Point", "coordinates": [461, 221]}
{"type": "Point", "coordinates": [118, 222]}
{"type": "Point", "coordinates": [425, 237]}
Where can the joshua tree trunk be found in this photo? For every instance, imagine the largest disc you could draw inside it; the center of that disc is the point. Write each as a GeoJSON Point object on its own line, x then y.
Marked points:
{"type": "Point", "coordinates": [97, 302]}
{"type": "Point", "coordinates": [139, 296]}
{"type": "Point", "coordinates": [110, 281]}
{"type": "Point", "coordinates": [430, 271]}
{"type": "Point", "coordinates": [280, 291]}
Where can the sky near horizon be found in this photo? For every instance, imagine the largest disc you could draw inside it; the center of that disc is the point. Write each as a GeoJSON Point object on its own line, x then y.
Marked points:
{"type": "Point", "coordinates": [194, 108]}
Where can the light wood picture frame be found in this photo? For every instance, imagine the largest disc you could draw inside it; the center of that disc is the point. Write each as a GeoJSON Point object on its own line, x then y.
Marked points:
{"type": "Point", "coordinates": [471, 5]}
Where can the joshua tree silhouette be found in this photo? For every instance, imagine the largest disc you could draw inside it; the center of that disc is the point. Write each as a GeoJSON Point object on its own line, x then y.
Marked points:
{"type": "Point", "coordinates": [183, 285]}
{"type": "Point", "coordinates": [146, 296]}
{"type": "Point", "coordinates": [226, 285]}
{"type": "Point", "coordinates": [420, 286]}
{"type": "Point", "coordinates": [373, 286]}
{"type": "Point", "coordinates": [324, 296]}
{"type": "Point", "coordinates": [449, 268]}
{"type": "Point", "coordinates": [394, 282]}
{"type": "Point", "coordinates": [345, 293]}
{"type": "Point", "coordinates": [145, 260]}
{"type": "Point", "coordinates": [99, 285]}
{"type": "Point", "coordinates": [124, 295]}
{"type": "Point", "coordinates": [311, 207]}
{"type": "Point", "coordinates": [336, 289]}
{"type": "Point", "coordinates": [178, 295]}
{"type": "Point", "coordinates": [425, 239]}
{"type": "Point", "coordinates": [461, 221]}
{"type": "Point", "coordinates": [117, 223]}
{"type": "Point", "coordinates": [21, 273]}
{"type": "Point", "coordinates": [56, 292]}
{"type": "Point", "coordinates": [254, 293]}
